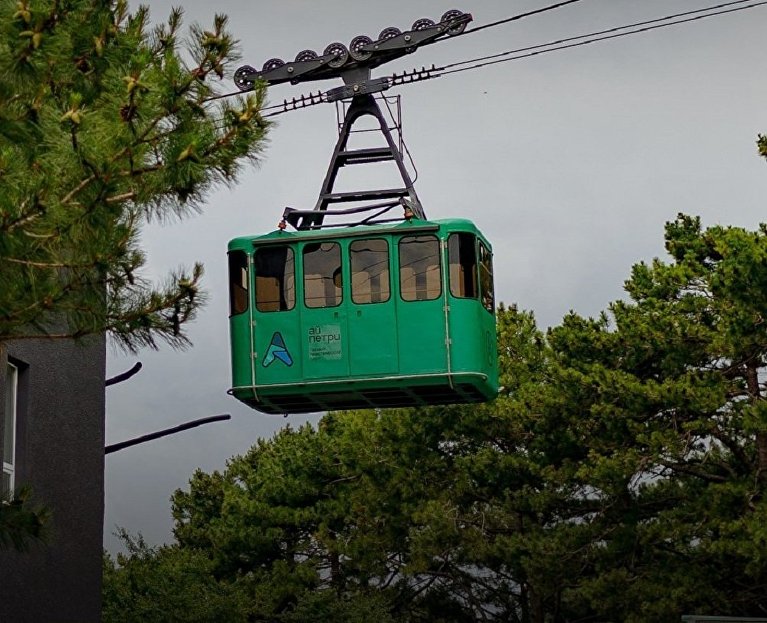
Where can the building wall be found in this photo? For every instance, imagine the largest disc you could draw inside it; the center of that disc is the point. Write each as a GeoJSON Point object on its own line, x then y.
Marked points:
{"type": "Point", "coordinates": [60, 455]}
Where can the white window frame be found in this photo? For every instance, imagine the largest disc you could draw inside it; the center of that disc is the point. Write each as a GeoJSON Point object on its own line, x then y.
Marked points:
{"type": "Point", "coordinates": [11, 390]}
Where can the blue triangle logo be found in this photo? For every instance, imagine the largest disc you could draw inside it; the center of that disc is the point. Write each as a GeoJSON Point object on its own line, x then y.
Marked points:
{"type": "Point", "coordinates": [277, 350]}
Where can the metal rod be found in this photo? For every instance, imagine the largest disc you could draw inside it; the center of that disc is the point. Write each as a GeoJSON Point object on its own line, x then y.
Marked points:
{"type": "Point", "coordinates": [162, 433]}
{"type": "Point", "coordinates": [119, 378]}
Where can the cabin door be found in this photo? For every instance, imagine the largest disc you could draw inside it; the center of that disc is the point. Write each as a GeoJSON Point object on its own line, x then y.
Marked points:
{"type": "Point", "coordinates": [323, 315]}
{"type": "Point", "coordinates": [372, 310]}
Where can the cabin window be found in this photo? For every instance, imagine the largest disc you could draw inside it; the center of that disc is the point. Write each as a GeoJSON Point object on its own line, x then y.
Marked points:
{"type": "Point", "coordinates": [238, 282]}
{"type": "Point", "coordinates": [275, 279]}
{"type": "Point", "coordinates": [486, 278]}
{"type": "Point", "coordinates": [370, 271]}
{"type": "Point", "coordinates": [419, 268]}
{"type": "Point", "coordinates": [462, 261]}
{"type": "Point", "coordinates": [323, 278]}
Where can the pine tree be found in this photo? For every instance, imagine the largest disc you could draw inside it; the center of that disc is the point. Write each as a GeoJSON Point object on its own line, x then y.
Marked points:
{"type": "Point", "coordinates": [107, 123]}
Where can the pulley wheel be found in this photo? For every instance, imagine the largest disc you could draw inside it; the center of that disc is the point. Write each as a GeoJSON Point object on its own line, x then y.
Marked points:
{"type": "Point", "coordinates": [272, 63]}
{"type": "Point", "coordinates": [355, 48]}
{"type": "Point", "coordinates": [244, 77]}
{"type": "Point", "coordinates": [306, 55]}
{"type": "Point", "coordinates": [422, 24]}
{"type": "Point", "coordinates": [340, 52]}
{"type": "Point", "coordinates": [388, 33]}
{"type": "Point", "coordinates": [451, 15]}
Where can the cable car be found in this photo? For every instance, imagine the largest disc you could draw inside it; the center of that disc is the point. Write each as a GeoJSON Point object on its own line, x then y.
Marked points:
{"type": "Point", "coordinates": [382, 312]}
{"type": "Point", "coordinates": [379, 316]}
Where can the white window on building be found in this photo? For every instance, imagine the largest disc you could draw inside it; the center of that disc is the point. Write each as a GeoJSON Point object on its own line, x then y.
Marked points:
{"type": "Point", "coordinates": [9, 427]}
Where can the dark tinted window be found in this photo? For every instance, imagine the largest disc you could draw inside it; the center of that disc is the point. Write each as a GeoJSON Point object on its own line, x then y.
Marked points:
{"type": "Point", "coordinates": [275, 279]}
{"type": "Point", "coordinates": [238, 282]}
{"type": "Point", "coordinates": [486, 278]}
{"type": "Point", "coordinates": [462, 260]}
{"type": "Point", "coordinates": [322, 274]}
{"type": "Point", "coordinates": [419, 268]}
{"type": "Point", "coordinates": [370, 271]}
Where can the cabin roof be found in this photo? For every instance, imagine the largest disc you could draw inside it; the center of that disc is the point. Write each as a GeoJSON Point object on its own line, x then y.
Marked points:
{"type": "Point", "coordinates": [414, 225]}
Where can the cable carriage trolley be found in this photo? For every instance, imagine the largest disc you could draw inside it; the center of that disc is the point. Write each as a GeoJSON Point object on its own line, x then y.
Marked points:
{"type": "Point", "coordinates": [376, 310]}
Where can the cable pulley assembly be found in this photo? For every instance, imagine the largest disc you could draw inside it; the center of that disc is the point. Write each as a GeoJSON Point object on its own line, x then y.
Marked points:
{"type": "Point", "coordinates": [363, 53]}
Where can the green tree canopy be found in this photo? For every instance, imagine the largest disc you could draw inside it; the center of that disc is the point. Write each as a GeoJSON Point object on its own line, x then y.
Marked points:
{"type": "Point", "coordinates": [167, 585]}
{"type": "Point", "coordinates": [106, 123]}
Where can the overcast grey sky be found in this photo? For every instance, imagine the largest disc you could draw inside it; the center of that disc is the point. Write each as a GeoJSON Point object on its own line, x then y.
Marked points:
{"type": "Point", "coordinates": [571, 163]}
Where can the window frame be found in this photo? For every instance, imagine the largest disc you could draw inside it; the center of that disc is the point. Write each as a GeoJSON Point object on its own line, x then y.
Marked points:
{"type": "Point", "coordinates": [338, 271]}
{"type": "Point", "coordinates": [290, 258]}
{"type": "Point", "coordinates": [352, 271]}
{"type": "Point", "coordinates": [438, 255]}
{"type": "Point", "coordinates": [11, 389]}
{"type": "Point", "coordinates": [484, 253]}
{"type": "Point", "coordinates": [236, 288]}
{"type": "Point", "coordinates": [474, 269]}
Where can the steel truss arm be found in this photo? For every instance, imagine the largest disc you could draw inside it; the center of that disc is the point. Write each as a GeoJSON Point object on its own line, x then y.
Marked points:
{"type": "Point", "coordinates": [405, 195]}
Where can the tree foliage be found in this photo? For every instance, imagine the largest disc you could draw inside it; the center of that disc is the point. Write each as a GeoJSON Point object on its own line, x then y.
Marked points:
{"type": "Point", "coordinates": [166, 585]}
{"type": "Point", "coordinates": [107, 122]}
{"type": "Point", "coordinates": [21, 523]}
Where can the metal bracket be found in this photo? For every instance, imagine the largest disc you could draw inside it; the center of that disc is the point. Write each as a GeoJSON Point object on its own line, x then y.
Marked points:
{"type": "Point", "coordinates": [348, 91]}
{"type": "Point", "coordinates": [405, 196]}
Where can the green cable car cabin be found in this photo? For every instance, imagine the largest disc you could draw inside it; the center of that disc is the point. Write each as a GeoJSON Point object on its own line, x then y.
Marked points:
{"type": "Point", "coordinates": [383, 312]}
{"type": "Point", "coordinates": [385, 315]}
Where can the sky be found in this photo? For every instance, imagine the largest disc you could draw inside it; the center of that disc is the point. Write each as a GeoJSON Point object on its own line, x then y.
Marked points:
{"type": "Point", "coordinates": [570, 162]}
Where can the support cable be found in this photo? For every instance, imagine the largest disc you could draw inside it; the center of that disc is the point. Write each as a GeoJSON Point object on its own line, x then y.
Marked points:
{"type": "Point", "coordinates": [443, 71]}
{"type": "Point", "coordinates": [593, 34]}
{"type": "Point", "coordinates": [514, 18]}
{"type": "Point", "coordinates": [401, 138]}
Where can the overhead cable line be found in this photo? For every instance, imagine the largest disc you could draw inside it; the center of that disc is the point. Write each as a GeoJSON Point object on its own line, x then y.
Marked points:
{"type": "Point", "coordinates": [401, 138]}
{"type": "Point", "coordinates": [514, 18]}
{"type": "Point", "coordinates": [441, 70]}
{"type": "Point", "coordinates": [707, 13]}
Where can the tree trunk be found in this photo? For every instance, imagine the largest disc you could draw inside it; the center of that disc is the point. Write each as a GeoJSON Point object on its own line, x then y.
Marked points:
{"type": "Point", "coordinates": [524, 599]}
